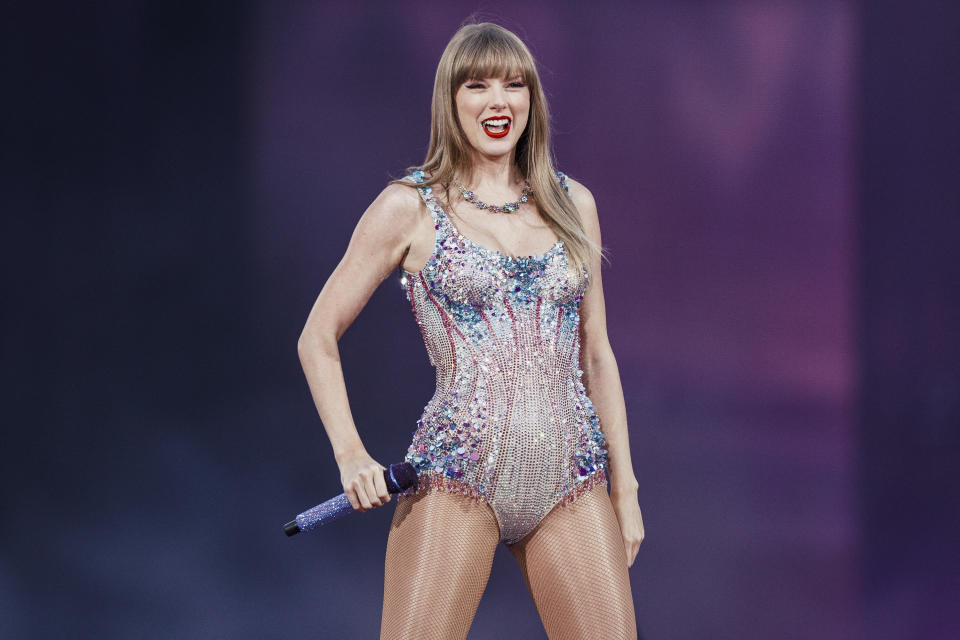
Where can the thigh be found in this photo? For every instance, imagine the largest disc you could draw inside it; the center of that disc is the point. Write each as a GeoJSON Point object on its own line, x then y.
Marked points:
{"type": "Point", "coordinates": [575, 567]}
{"type": "Point", "coordinates": [439, 553]}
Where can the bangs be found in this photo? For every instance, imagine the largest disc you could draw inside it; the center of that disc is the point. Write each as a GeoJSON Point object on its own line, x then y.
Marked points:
{"type": "Point", "coordinates": [491, 55]}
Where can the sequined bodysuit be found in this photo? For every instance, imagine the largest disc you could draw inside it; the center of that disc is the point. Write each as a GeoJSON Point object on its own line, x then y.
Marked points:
{"type": "Point", "coordinates": [510, 423]}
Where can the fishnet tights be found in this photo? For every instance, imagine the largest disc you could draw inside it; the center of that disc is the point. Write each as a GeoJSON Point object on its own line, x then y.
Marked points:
{"type": "Point", "coordinates": [440, 550]}
{"type": "Point", "coordinates": [575, 568]}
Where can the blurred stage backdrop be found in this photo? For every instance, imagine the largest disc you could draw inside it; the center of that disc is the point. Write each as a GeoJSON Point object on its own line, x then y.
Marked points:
{"type": "Point", "coordinates": [772, 181]}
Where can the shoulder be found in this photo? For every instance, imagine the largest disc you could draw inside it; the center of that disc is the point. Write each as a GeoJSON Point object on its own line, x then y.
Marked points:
{"type": "Point", "coordinates": [392, 218]}
{"type": "Point", "coordinates": [397, 204]}
{"type": "Point", "coordinates": [583, 200]}
{"type": "Point", "coordinates": [403, 195]}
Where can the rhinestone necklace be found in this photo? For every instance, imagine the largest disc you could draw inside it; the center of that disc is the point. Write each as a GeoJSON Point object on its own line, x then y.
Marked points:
{"type": "Point", "coordinates": [509, 207]}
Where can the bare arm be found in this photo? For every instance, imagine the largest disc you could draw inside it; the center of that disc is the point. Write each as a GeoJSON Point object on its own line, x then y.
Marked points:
{"type": "Point", "coordinates": [600, 371]}
{"type": "Point", "coordinates": [602, 380]}
{"type": "Point", "coordinates": [376, 247]}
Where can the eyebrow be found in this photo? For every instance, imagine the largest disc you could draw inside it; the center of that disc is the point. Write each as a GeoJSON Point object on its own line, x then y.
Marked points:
{"type": "Point", "coordinates": [517, 76]}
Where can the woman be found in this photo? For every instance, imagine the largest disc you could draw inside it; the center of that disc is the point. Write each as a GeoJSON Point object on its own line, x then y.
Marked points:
{"type": "Point", "coordinates": [510, 305]}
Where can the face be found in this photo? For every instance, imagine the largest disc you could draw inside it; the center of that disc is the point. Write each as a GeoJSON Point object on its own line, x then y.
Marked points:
{"type": "Point", "coordinates": [493, 113]}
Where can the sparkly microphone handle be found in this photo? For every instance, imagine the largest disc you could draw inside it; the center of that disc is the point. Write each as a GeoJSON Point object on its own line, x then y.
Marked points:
{"type": "Point", "coordinates": [399, 477]}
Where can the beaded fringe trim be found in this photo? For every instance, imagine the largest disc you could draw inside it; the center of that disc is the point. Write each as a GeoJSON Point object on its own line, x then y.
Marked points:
{"type": "Point", "coordinates": [437, 482]}
{"type": "Point", "coordinates": [597, 477]}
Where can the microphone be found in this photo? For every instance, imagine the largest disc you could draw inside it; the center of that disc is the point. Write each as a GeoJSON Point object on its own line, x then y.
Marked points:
{"type": "Point", "coordinates": [399, 477]}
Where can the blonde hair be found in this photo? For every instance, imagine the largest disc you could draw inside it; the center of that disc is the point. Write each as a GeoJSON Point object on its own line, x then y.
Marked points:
{"type": "Point", "coordinates": [487, 50]}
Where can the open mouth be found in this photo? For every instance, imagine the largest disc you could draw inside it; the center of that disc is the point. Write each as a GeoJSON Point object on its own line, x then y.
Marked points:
{"type": "Point", "coordinates": [496, 127]}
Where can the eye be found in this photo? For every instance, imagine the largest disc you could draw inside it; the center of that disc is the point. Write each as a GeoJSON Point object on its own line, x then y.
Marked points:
{"type": "Point", "coordinates": [475, 85]}
{"type": "Point", "coordinates": [517, 84]}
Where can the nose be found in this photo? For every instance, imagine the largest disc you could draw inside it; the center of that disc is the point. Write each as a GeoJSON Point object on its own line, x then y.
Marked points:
{"type": "Point", "coordinates": [498, 98]}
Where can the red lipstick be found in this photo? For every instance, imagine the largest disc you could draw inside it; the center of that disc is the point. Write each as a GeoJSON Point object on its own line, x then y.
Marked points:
{"type": "Point", "coordinates": [500, 134]}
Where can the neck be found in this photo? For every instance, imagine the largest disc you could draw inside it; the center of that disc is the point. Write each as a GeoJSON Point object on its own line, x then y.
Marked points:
{"type": "Point", "coordinates": [492, 173]}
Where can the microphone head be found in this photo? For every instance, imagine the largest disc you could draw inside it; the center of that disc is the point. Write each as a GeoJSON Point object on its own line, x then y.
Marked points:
{"type": "Point", "coordinates": [403, 475]}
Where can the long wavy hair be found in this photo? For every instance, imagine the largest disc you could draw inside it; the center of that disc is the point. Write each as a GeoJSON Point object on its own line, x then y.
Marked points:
{"type": "Point", "coordinates": [487, 50]}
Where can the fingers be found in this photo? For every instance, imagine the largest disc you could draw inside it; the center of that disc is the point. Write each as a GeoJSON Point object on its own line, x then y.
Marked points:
{"type": "Point", "coordinates": [357, 495]}
{"type": "Point", "coordinates": [373, 487]}
{"type": "Point", "coordinates": [380, 487]}
{"type": "Point", "coordinates": [362, 497]}
{"type": "Point", "coordinates": [351, 492]}
{"type": "Point", "coordinates": [368, 489]}
{"type": "Point", "coordinates": [631, 545]}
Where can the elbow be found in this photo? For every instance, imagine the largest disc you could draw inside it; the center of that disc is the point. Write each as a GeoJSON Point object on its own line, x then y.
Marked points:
{"type": "Point", "coordinates": [303, 347]}
{"type": "Point", "coordinates": [307, 343]}
{"type": "Point", "coordinates": [599, 357]}
{"type": "Point", "coordinates": [312, 343]}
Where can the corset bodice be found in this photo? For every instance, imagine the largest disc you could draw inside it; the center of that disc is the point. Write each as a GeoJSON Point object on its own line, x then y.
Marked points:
{"type": "Point", "coordinates": [503, 334]}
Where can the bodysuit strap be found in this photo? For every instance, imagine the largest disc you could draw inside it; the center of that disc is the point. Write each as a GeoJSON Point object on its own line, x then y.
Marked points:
{"type": "Point", "coordinates": [426, 193]}
{"type": "Point", "coordinates": [562, 178]}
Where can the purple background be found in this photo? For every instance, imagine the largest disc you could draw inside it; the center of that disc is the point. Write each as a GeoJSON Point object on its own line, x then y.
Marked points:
{"type": "Point", "coordinates": [775, 182]}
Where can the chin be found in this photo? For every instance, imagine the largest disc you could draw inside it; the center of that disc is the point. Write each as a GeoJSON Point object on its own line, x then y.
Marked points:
{"type": "Point", "coordinates": [497, 152]}
{"type": "Point", "coordinates": [495, 147]}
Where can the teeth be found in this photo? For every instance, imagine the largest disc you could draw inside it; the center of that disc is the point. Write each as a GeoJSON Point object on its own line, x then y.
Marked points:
{"type": "Point", "coordinates": [502, 122]}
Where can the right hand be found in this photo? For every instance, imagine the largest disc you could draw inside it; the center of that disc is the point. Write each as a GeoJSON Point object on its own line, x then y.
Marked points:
{"type": "Point", "coordinates": [363, 483]}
